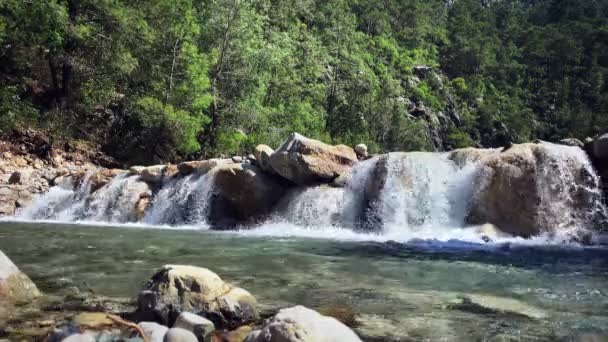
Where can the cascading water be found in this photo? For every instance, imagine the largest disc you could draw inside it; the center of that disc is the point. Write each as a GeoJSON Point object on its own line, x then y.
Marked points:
{"type": "Point", "coordinates": [182, 201]}
{"type": "Point", "coordinates": [422, 196]}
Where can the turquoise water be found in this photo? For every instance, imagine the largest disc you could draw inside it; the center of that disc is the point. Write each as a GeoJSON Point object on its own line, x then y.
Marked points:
{"type": "Point", "coordinates": [400, 292]}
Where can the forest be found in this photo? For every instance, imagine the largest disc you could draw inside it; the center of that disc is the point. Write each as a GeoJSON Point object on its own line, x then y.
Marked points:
{"type": "Point", "coordinates": [168, 80]}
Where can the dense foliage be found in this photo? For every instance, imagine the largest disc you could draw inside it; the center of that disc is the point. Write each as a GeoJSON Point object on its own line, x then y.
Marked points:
{"type": "Point", "coordinates": [159, 80]}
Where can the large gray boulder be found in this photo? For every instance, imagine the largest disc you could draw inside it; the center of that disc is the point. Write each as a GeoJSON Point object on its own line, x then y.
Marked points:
{"type": "Point", "coordinates": [242, 192]}
{"type": "Point", "coordinates": [15, 286]}
{"type": "Point", "coordinates": [531, 189]}
{"type": "Point", "coordinates": [305, 161]}
{"type": "Point", "coordinates": [300, 324]}
{"type": "Point", "coordinates": [178, 288]}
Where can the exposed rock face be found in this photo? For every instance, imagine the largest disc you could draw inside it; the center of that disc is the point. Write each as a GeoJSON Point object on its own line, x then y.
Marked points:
{"type": "Point", "coordinates": [306, 161]}
{"type": "Point", "coordinates": [535, 188]}
{"type": "Point", "coordinates": [242, 192]}
{"type": "Point", "coordinates": [200, 166]}
{"type": "Point", "coordinates": [300, 324]}
{"type": "Point", "coordinates": [15, 286]}
{"type": "Point", "coordinates": [600, 147]}
{"type": "Point", "coordinates": [262, 158]}
{"type": "Point", "coordinates": [176, 288]}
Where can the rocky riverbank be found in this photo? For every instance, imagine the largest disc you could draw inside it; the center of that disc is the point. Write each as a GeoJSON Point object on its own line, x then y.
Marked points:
{"type": "Point", "coordinates": [521, 190]}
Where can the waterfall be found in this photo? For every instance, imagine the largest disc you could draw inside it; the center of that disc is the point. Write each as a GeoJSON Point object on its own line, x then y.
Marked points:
{"type": "Point", "coordinates": [399, 196]}
{"type": "Point", "coordinates": [425, 191]}
{"type": "Point", "coordinates": [182, 201]}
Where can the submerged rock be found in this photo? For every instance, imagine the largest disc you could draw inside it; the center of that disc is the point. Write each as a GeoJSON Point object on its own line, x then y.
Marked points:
{"type": "Point", "coordinates": [304, 161]}
{"type": "Point", "coordinates": [531, 189]}
{"type": "Point", "coordinates": [300, 324]}
{"type": "Point", "coordinates": [242, 192]}
{"type": "Point", "coordinates": [483, 304]}
{"type": "Point", "coordinates": [15, 286]}
{"type": "Point", "coordinates": [177, 288]}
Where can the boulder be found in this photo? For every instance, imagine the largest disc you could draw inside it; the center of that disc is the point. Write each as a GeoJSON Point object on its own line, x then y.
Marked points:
{"type": "Point", "coordinates": [531, 189]}
{"type": "Point", "coordinates": [154, 332]}
{"type": "Point", "coordinates": [262, 158]}
{"type": "Point", "coordinates": [176, 288]}
{"type": "Point", "coordinates": [237, 159]}
{"type": "Point", "coordinates": [136, 170]}
{"type": "Point", "coordinates": [199, 326]}
{"type": "Point", "coordinates": [300, 324]}
{"type": "Point", "coordinates": [179, 335]}
{"type": "Point", "coordinates": [15, 286]}
{"type": "Point", "coordinates": [306, 161]}
{"type": "Point", "coordinates": [200, 166]}
{"type": "Point", "coordinates": [242, 192]}
{"type": "Point", "coordinates": [361, 151]}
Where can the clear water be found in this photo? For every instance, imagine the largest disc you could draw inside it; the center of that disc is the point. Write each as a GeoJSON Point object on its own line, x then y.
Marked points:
{"type": "Point", "coordinates": [401, 292]}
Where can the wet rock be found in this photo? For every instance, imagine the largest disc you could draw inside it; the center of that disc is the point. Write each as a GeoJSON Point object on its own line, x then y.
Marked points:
{"type": "Point", "coordinates": [305, 161]}
{"type": "Point", "coordinates": [298, 324]}
{"type": "Point", "coordinates": [15, 178]}
{"type": "Point", "coordinates": [154, 332]}
{"type": "Point", "coordinates": [531, 189]}
{"type": "Point", "coordinates": [169, 171]}
{"type": "Point", "coordinates": [572, 142]}
{"type": "Point", "coordinates": [262, 158]}
{"type": "Point", "coordinates": [361, 151]}
{"type": "Point", "coordinates": [152, 174]}
{"type": "Point", "coordinates": [242, 193]}
{"type": "Point", "coordinates": [199, 326]}
{"type": "Point", "coordinates": [237, 159]}
{"type": "Point", "coordinates": [179, 335]}
{"type": "Point", "coordinates": [177, 288]}
{"type": "Point", "coordinates": [200, 166]}
{"type": "Point", "coordinates": [15, 286]}
{"type": "Point", "coordinates": [144, 202]}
